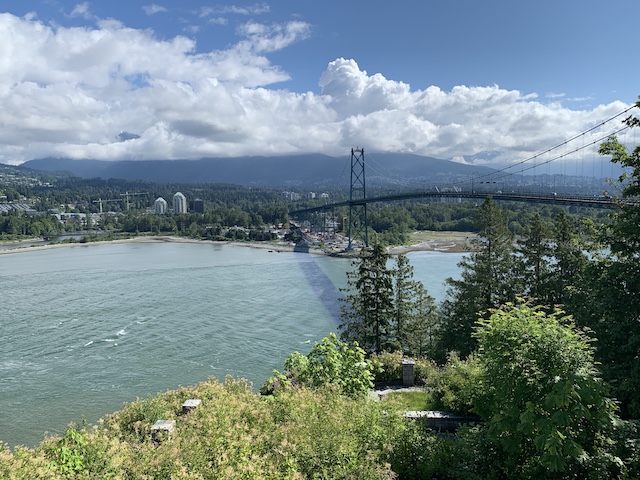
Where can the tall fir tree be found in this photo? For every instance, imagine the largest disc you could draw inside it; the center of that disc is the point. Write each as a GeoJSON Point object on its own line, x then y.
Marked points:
{"type": "Point", "coordinates": [534, 249]}
{"type": "Point", "coordinates": [488, 280]}
{"type": "Point", "coordinates": [422, 324]}
{"type": "Point", "coordinates": [367, 311]}
{"type": "Point", "coordinates": [569, 260]}
{"type": "Point", "coordinates": [415, 314]}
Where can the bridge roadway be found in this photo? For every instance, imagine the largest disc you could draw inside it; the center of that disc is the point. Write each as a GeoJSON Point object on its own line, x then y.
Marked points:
{"type": "Point", "coordinates": [601, 201]}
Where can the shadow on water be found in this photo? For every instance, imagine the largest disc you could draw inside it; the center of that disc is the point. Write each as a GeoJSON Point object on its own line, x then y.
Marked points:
{"type": "Point", "coordinates": [326, 291]}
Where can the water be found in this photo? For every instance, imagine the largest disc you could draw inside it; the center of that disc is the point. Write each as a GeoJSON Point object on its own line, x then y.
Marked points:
{"type": "Point", "coordinates": [86, 328]}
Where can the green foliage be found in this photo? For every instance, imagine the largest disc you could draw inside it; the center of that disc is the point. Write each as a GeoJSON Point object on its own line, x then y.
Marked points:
{"type": "Point", "coordinates": [415, 315]}
{"type": "Point", "coordinates": [69, 456]}
{"type": "Point", "coordinates": [541, 395]}
{"type": "Point", "coordinates": [534, 260]}
{"type": "Point", "coordinates": [330, 362]}
{"type": "Point", "coordinates": [390, 368]}
{"type": "Point", "coordinates": [234, 434]}
{"type": "Point", "coordinates": [488, 279]}
{"type": "Point", "coordinates": [368, 307]}
{"type": "Point", "coordinates": [456, 386]}
{"type": "Point", "coordinates": [607, 297]}
{"type": "Point", "coordinates": [385, 309]}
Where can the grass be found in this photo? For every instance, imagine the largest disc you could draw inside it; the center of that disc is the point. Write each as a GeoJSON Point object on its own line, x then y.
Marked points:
{"type": "Point", "coordinates": [414, 400]}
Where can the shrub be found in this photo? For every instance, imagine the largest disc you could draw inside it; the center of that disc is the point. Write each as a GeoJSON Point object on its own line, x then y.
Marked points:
{"type": "Point", "coordinates": [542, 396]}
{"type": "Point", "coordinates": [391, 368]}
{"type": "Point", "coordinates": [455, 387]}
{"type": "Point", "coordinates": [330, 362]}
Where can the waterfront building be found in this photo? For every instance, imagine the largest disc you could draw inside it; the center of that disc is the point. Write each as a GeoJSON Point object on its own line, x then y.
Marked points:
{"type": "Point", "coordinates": [179, 203]}
{"type": "Point", "coordinates": [160, 206]}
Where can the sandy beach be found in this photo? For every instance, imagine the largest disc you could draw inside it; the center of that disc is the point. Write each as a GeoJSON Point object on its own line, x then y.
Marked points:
{"type": "Point", "coordinates": [420, 241]}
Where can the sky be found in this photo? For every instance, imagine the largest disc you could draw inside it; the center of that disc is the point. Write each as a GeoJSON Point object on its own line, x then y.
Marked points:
{"type": "Point", "coordinates": [490, 83]}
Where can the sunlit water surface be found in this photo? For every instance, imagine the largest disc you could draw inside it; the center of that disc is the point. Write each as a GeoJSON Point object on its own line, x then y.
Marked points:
{"type": "Point", "coordinates": [88, 328]}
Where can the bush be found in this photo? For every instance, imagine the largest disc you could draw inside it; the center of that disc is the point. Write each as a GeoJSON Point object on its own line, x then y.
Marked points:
{"type": "Point", "coordinates": [455, 388]}
{"type": "Point", "coordinates": [542, 397]}
{"type": "Point", "coordinates": [300, 433]}
{"type": "Point", "coordinates": [330, 362]}
{"type": "Point", "coordinates": [391, 368]}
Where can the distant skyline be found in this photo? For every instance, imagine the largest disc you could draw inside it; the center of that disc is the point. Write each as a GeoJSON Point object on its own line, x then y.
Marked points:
{"type": "Point", "coordinates": [477, 82]}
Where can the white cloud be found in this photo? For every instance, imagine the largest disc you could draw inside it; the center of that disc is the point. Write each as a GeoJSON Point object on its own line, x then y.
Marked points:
{"type": "Point", "coordinates": [81, 10]}
{"type": "Point", "coordinates": [270, 38]}
{"type": "Point", "coordinates": [71, 91]}
{"type": "Point", "coordinates": [153, 9]}
{"type": "Point", "coordinates": [256, 9]}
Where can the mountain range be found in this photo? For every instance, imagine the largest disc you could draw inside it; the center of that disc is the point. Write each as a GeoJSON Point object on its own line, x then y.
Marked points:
{"type": "Point", "coordinates": [292, 170]}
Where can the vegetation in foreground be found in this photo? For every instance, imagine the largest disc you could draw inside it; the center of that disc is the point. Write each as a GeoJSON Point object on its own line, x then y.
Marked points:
{"type": "Point", "coordinates": [545, 412]}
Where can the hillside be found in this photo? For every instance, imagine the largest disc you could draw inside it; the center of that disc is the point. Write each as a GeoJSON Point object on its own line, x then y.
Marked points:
{"type": "Point", "coordinates": [310, 169]}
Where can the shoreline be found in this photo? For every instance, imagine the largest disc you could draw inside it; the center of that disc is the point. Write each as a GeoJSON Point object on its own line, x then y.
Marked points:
{"type": "Point", "coordinates": [443, 242]}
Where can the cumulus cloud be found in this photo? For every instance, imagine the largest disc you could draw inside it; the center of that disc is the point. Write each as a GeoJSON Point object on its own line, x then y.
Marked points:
{"type": "Point", "coordinates": [78, 92]}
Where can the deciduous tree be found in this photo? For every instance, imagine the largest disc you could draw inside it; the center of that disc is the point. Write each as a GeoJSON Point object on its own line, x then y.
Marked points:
{"type": "Point", "coordinates": [542, 396]}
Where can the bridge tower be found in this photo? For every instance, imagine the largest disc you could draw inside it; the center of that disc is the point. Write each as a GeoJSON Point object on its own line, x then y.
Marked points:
{"type": "Point", "coordinates": [357, 200]}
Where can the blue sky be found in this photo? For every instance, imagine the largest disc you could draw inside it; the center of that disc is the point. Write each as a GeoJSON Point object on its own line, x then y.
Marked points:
{"type": "Point", "coordinates": [194, 79]}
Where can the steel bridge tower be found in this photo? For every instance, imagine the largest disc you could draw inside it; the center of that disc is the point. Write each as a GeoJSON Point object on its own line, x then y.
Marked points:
{"type": "Point", "coordinates": [357, 200]}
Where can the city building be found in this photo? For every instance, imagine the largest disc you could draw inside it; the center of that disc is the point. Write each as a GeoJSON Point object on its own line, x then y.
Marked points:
{"type": "Point", "coordinates": [160, 206]}
{"type": "Point", "coordinates": [179, 203]}
{"type": "Point", "coordinates": [197, 205]}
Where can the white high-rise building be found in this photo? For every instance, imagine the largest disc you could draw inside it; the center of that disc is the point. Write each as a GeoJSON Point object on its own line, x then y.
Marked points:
{"type": "Point", "coordinates": [160, 206]}
{"type": "Point", "coordinates": [179, 203]}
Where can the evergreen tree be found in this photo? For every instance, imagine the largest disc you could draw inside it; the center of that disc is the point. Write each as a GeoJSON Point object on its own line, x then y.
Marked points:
{"type": "Point", "coordinates": [404, 298]}
{"type": "Point", "coordinates": [422, 324]}
{"type": "Point", "coordinates": [368, 308]}
{"type": "Point", "coordinates": [609, 294]}
{"type": "Point", "coordinates": [488, 280]}
{"type": "Point", "coordinates": [569, 260]}
{"type": "Point", "coordinates": [414, 310]}
{"type": "Point", "coordinates": [534, 258]}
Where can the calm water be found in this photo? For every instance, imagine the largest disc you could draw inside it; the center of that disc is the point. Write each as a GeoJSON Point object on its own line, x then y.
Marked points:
{"type": "Point", "coordinates": [87, 328]}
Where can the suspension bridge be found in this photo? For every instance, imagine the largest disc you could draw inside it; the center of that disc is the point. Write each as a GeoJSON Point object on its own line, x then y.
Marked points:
{"type": "Point", "coordinates": [358, 199]}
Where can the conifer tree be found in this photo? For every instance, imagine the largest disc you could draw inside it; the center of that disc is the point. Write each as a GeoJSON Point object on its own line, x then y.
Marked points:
{"type": "Point", "coordinates": [488, 280]}
{"type": "Point", "coordinates": [534, 259]}
{"type": "Point", "coordinates": [569, 260]}
{"type": "Point", "coordinates": [367, 310]}
{"type": "Point", "coordinates": [414, 310]}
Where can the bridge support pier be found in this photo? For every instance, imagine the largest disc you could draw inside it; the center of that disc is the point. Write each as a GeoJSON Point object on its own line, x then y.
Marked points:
{"type": "Point", "coordinates": [358, 225]}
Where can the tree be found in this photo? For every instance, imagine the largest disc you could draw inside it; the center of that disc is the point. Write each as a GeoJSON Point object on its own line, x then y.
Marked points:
{"type": "Point", "coordinates": [541, 395]}
{"type": "Point", "coordinates": [422, 325]}
{"type": "Point", "coordinates": [488, 281]}
{"type": "Point", "coordinates": [608, 296]}
{"type": "Point", "coordinates": [625, 235]}
{"type": "Point", "coordinates": [569, 260]}
{"type": "Point", "coordinates": [415, 314]}
{"type": "Point", "coordinates": [367, 310]}
{"type": "Point", "coordinates": [534, 258]}
{"type": "Point", "coordinates": [405, 294]}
